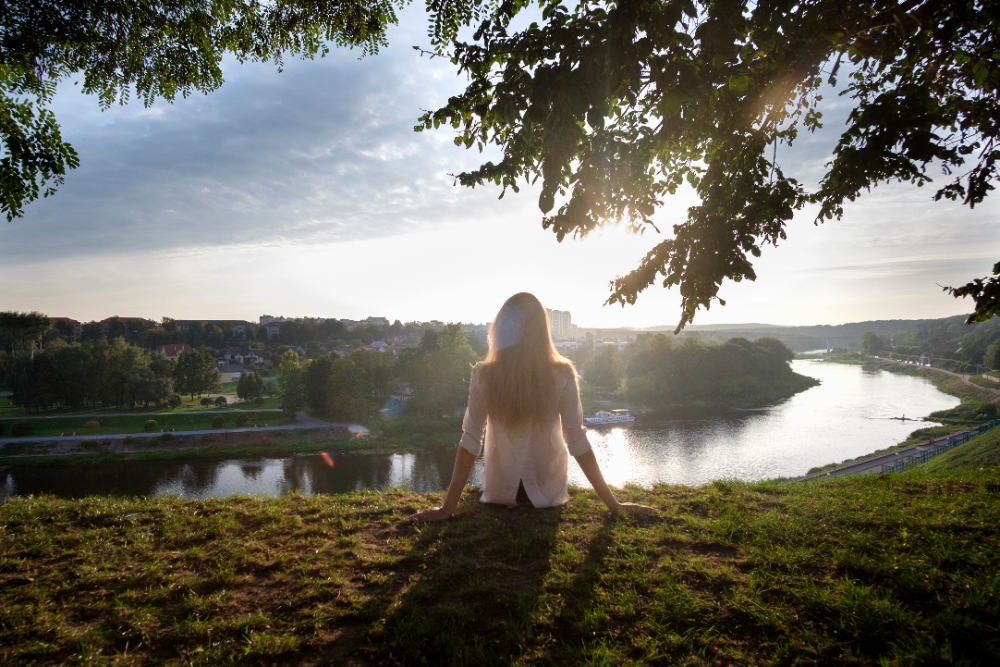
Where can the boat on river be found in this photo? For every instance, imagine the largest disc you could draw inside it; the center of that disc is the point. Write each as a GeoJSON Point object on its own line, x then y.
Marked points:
{"type": "Point", "coordinates": [604, 418]}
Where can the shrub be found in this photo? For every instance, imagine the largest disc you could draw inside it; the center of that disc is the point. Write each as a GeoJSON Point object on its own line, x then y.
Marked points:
{"type": "Point", "coordinates": [207, 401]}
{"type": "Point", "coordinates": [127, 440]}
{"type": "Point", "coordinates": [92, 425]}
{"type": "Point", "coordinates": [149, 425]}
{"type": "Point", "coordinates": [21, 429]}
{"type": "Point", "coordinates": [153, 441]}
{"type": "Point", "coordinates": [167, 436]}
{"type": "Point", "coordinates": [242, 420]}
{"type": "Point", "coordinates": [259, 401]}
{"type": "Point", "coordinates": [2, 428]}
{"type": "Point", "coordinates": [218, 421]}
{"type": "Point", "coordinates": [175, 400]}
{"type": "Point", "coordinates": [221, 401]}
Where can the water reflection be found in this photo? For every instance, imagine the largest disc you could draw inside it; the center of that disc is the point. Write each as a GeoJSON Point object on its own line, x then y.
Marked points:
{"type": "Point", "coordinates": [847, 416]}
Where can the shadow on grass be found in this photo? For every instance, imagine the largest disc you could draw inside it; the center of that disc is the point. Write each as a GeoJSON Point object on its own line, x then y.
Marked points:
{"type": "Point", "coordinates": [472, 590]}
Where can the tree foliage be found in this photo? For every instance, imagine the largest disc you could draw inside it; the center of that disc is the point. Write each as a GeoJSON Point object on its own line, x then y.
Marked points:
{"type": "Point", "coordinates": [985, 292]}
{"type": "Point", "coordinates": [439, 370]}
{"type": "Point", "coordinates": [197, 373]}
{"type": "Point", "coordinates": [603, 369]}
{"type": "Point", "coordinates": [152, 49]}
{"type": "Point", "coordinates": [992, 356]}
{"type": "Point", "coordinates": [739, 372]}
{"type": "Point", "coordinates": [347, 393]}
{"type": "Point", "coordinates": [616, 105]}
{"type": "Point", "coordinates": [250, 386]}
{"type": "Point", "coordinates": [92, 374]}
{"type": "Point", "coordinates": [22, 330]}
{"type": "Point", "coordinates": [872, 343]}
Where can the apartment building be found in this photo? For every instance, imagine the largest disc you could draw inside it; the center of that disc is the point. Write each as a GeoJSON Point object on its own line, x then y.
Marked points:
{"type": "Point", "coordinates": [561, 323]}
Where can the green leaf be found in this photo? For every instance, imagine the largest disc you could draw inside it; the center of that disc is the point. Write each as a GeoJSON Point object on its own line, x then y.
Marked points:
{"type": "Point", "coordinates": [738, 84]}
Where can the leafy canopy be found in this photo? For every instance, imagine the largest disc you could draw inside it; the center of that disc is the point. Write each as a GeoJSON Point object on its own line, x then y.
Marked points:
{"type": "Point", "coordinates": [615, 105]}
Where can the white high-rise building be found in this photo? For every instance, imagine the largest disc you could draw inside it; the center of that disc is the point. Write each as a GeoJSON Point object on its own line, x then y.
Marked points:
{"type": "Point", "coordinates": [560, 323]}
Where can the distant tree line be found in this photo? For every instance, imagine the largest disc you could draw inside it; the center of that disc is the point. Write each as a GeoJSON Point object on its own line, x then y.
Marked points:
{"type": "Point", "coordinates": [19, 329]}
{"type": "Point", "coordinates": [948, 340]}
{"type": "Point", "coordinates": [99, 374]}
{"type": "Point", "coordinates": [354, 387]}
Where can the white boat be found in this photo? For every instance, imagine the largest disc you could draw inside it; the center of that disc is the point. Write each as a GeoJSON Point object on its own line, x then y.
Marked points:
{"type": "Point", "coordinates": [603, 418]}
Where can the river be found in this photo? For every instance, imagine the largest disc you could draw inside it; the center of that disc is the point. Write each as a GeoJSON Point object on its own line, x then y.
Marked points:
{"type": "Point", "coordinates": [848, 415]}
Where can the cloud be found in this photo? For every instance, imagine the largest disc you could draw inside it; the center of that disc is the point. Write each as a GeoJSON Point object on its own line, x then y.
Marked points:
{"type": "Point", "coordinates": [324, 151]}
{"type": "Point", "coordinates": [911, 266]}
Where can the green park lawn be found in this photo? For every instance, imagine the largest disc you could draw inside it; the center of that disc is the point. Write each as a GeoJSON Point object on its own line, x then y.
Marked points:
{"type": "Point", "coordinates": [862, 571]}
{"type": "Point", "coordinates": [117, 425]}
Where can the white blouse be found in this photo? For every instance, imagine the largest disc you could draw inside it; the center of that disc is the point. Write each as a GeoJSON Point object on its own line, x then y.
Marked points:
{"type": "Point", "coordinates": [534, 455]}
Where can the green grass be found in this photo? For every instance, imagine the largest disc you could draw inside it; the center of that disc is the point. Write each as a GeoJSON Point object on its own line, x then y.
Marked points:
{"type": "Point", "coordinates": [182, 421]}
{"type": "Point", "coordinates": [410, 433]}
{"type": "Point", "coordinates": [862, 571]}
{"type": "Point", "coordinates": [981, 451]}
{"type": "Point", "coordinates": [982, 381]}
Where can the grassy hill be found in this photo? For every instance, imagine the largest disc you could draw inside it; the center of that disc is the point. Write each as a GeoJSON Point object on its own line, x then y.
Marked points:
{"type": "Point", "coordinates": [864, 571]}
{"type": "Point", "coordinates": [981, 451]}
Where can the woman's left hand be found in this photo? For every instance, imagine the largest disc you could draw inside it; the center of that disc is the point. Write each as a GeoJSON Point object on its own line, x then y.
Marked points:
{"type": "Point", "coordinates": [433, 514]}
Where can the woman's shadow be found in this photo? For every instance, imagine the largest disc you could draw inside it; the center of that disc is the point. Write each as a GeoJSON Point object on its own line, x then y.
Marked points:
{"type": "Point", "coordinates": [473, 590]}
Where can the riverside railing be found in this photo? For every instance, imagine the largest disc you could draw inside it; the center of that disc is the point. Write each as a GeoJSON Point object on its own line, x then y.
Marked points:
{"type": "Point", "coordinates": [936, 447]}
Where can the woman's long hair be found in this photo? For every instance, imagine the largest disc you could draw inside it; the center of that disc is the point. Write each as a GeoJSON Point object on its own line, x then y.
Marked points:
{"type": "Point", "coordinates": [519, 372]}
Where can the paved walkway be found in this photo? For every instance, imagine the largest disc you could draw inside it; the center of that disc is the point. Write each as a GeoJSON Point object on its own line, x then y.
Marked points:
{"type": "Point", "coordinates": [990, 393]}
{"type": "Point", "coordinates": [304, 421]}
{"type": "Point", "coordinates": [872, 465]}
{"type": "Point", "coordinates": [67, 415]}
{"type": "Point", "coordinates": [868, 466]}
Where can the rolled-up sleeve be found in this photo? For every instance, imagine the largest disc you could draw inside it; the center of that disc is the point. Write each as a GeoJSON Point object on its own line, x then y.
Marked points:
{"type": "Point", "coordinates": [475, 417]}
{"type": "Point", "coordinates": [571, 414]}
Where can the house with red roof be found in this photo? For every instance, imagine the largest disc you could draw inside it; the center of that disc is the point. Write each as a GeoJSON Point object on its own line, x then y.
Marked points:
{"type": "Point", "coordinates": [172, 351]}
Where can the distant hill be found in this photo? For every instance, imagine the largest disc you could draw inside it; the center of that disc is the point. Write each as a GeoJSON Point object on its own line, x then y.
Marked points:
{"type": "Point", "coordinates": [800, 338]}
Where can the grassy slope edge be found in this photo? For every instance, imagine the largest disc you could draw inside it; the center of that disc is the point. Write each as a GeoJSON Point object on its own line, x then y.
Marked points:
{"type": "Point", "coordinates": [981, 451]}
{"type": "Point", "coordinates": [861, 571]}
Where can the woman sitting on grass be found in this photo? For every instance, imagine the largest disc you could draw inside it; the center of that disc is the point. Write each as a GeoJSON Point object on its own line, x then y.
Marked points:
{"type": "Point", "coordinates": [525, 396]}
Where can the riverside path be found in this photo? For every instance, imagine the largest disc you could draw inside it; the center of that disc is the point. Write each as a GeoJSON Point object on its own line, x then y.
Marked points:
{"type": "Point", "coordinates": [304, 421]}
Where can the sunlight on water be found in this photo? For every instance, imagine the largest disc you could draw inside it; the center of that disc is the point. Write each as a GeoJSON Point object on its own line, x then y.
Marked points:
{"type": "Point", "coordinates": [848, 415]}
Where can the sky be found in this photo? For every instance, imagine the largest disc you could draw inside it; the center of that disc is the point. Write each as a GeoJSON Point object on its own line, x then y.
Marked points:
{"type": "Point", "coordinates": [308, 193]}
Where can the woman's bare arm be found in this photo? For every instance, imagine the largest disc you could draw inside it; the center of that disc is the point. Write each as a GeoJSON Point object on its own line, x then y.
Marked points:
{"type": "Point", "coordinates": [589, 466]}
{"type": "Point", "coordinates": [464, 460]}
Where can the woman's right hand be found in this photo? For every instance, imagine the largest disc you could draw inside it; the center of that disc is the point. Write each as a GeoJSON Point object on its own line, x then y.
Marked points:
{"type": "Point", "coordinates": [633, 508]}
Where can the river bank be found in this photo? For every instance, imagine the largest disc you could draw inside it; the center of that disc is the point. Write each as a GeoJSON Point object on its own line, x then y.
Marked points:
{"type": "Point", "coordinates": [973, 410]}
{"type": "Point", "coordinates": [858, 570]}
